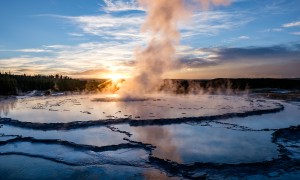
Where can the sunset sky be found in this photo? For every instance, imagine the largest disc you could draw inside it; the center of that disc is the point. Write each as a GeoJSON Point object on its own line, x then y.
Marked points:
{"type": "Point", "coordinates": [95, 39]}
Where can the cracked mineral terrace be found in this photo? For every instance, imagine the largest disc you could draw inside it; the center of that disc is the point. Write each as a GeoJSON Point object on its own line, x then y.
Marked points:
{"type": "Point", "coordinates": [158, 137]}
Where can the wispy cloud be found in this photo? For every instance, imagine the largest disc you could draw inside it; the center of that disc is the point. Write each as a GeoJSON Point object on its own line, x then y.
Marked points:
{"type": "Point", "coordinates": [248, 55]}
{"type": "Point", "coordinates": [70, 60]}
{"type": "Point", "coordinates": [120, 37]}
{"type": "Point", "coordinates": [272, 30]}
{"type": "Point", "coordinates": [76, 34]}
{"type": "Point", "coordinates": [275, 7]}
{"type": "Point", "coordinates": [213, 22]}
{"type": "Point", "coordinates": [121, 5]}
{"type": "Point", "coordinates": [286, 69]}
{"type": "Point", "coordinates": [244, 37]}
{"type": "Point", "coordinates": [30, 50]}
{"type": "Point", "coordinates": [107, 26]}
{"type": "Point", "coordinates": [128, 27]}
{"type": "Point", "coordinates": [91, 72]}
{"type": "Point", "coordinates": [236, 39]}
{"type": "Point", "coordinates": [296, 33]}
{"type": "Point", "coordinates": [32, 65]}
{"type": "Point", "coordinates": [292, 24]}
{"type": "Point", "coordinates": [240, 62]}
{"type": "Point", "coordinates": [257, 54]}
{"type": "Point", "coordinates": [98, 60]}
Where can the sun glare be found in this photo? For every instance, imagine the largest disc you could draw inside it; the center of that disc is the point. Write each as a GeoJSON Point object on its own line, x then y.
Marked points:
{"type": "Point", "coordinates": [115, 77]}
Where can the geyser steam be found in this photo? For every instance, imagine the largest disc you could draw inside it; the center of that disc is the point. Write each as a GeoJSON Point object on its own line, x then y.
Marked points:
{"type": "Point", "coordinates": [163, 17]}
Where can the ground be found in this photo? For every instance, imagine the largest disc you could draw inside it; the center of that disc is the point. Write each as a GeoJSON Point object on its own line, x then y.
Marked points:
{"type": "Point", "coordinates": [159, 137]}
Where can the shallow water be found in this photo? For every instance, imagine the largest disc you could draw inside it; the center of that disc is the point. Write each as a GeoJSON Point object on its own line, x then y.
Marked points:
{"type": "Point", "coordinates": [37, 168]}
{"type": "Point", "coordinates": [289, 117]}
{"type": "Point", "coordinates": [75, 156]}
{"type": "Point", "coordinates": [143, 151]}
{"type": "Point", "coordinates": [195, 143]}
{"type": "Point", "coordinates": [88, 107]}
{"type": "Point", "coordinates": [95, 136]}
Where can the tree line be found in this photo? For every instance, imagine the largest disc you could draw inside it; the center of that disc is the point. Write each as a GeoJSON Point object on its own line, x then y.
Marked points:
{"type": "Point", "coordinates": [224, 85]}
{"type": "Point", "coordinates": [11, 84]}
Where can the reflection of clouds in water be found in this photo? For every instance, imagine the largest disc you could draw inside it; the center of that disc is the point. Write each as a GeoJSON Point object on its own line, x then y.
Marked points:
{"type": "Point", "coordinates": [153, 174]}
{"type": "Point", "coordinates": [7, 105]}
{"type": "Point", "coordinates": [143, 110]}
{"type": "Point", "coordinates": [83, 108]}
{"type": "Point", "coordinates": [160, 137]}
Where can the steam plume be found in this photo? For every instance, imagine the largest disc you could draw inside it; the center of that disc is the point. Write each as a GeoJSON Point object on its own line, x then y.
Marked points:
{"type": "Point", "coordinates": [163, 17]}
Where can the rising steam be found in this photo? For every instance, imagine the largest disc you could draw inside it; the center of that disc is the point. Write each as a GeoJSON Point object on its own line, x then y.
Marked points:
{"type": "Point", "coordinates": [163, 17]}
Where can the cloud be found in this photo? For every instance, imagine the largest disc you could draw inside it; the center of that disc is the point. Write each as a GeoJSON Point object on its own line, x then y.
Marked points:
{"type": "Point", "coordinates": [230, 62]}
{"type": "Point", "coordinates": [292, 24]}
{"type": "Point", "coordinates": [244, 37]}
{"type": "Point", "coordinates": [287, 69]}
{"type": "Point", "coordinates": [296, 33]}
{"type": "Point", "coordinates": [90, 72]}
{"type": "Point", "coordinates": [256, 55]}
{"type": "Point", "coordinates": [90, 55]}
{"type": "Point", "coordinates": [96, 60]}
{"type": "Point", "coordinates": [236, 39]}
{"type": "Point", "coordinates": [275, 7]}
{"type": "Point", "coordinates": [120, 5]}
{"type": "Point", "coordinates": [119, 37]}
{"type": "Point", "coordinates": [76, 34]}
{"type": "Point", "coordinates": [69, 60]}
{"type": "Point", "coordinates": [56, 46]}
{"type": "Point", "coordinates": [196, 63]}
{"type": "Point", "coordinates": [107, 26]}
{"type": "Point", "coordinates": [127, 27]}
{"type": "Point", "coordinates": [30, 50]}
{"type": "Point", "coordinates": [34, 65]}
{"type": "Point", "coordinates": [272, 30]}
{"type": "Point", "coordinates": [210, 23]}
{"type": "Point", "coordinates": [239, 57]}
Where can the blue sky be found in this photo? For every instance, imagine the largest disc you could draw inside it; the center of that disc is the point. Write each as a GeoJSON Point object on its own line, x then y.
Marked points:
{"type": "Point", "coordinates": [95, 38]}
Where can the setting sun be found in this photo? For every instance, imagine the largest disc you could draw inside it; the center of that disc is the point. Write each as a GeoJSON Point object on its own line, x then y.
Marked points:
{"type": "Point", "coordinates": [115, 77]}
